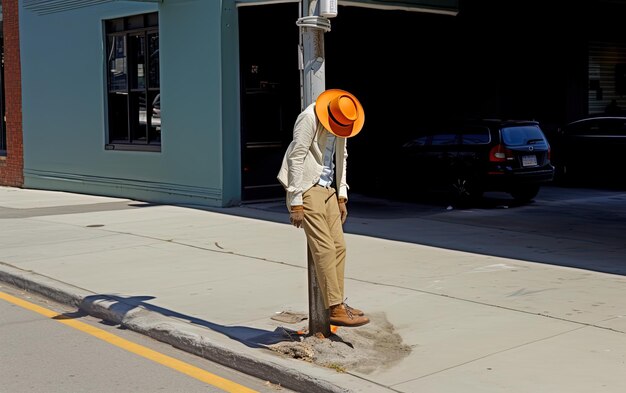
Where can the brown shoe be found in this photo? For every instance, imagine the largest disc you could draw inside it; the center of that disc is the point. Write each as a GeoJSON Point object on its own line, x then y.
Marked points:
{"type": "Point", "coordinates": [354, 311]}
{"type": "Point", "coordinates": [341, 316]}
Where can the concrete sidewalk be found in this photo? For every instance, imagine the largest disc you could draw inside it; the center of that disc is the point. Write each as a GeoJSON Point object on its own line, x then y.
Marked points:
{"type": "Point", "coordinates": [209, 281]}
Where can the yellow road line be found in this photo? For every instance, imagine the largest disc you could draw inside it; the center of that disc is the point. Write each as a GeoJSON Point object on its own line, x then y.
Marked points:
{"type": "Point", "coordinates": [185, 368]}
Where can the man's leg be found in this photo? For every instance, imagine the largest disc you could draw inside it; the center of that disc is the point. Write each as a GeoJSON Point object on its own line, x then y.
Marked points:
{"type": "Point", "coordinates": [333, 219]}
{"type": "Point", "coordinates": [322, 224]}
{"type": "Point", "coordinates": [321, 243]}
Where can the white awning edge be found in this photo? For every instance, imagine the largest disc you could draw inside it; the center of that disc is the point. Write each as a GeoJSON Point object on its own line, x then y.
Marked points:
{"type": "Point", "coordinates": [412, 8]}
{"type": "Point", "coordinates": [445, 7]}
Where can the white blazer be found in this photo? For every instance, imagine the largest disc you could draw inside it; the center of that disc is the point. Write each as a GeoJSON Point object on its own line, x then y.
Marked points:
{"type": "Point", "coordinates": [303, 161]}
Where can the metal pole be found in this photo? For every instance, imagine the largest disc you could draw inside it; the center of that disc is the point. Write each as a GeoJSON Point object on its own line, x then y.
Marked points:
{"type": "Point", "coordinates": [312, 29]}
{"type": "Point", "coordinates": [319, 318]}
{"type": "Point", "coordinates": [312, 78]}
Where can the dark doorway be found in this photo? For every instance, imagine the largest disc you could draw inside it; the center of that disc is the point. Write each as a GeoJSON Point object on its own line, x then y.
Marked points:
{"type": "Point", "coordinates": [270, 94]}
{"type": "Point", "coordinates": [409, 70]}
{"type": "Point", "coordinates": [378, 65]}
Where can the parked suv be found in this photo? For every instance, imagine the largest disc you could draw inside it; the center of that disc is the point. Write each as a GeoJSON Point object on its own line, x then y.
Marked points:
{"type": "Point", "coordinates": [477, 156]}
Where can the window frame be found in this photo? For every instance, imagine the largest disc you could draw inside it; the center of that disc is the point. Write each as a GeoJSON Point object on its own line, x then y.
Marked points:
{"type": "Point", "coordinates": [140, 86]}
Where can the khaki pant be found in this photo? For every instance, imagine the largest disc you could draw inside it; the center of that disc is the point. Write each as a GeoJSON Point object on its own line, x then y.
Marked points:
{"type": "Point", "coordinates": [324, 234]}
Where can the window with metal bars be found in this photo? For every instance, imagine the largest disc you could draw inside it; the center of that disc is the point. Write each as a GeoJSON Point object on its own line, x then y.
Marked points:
{"type": "Point", "coordinates": [133, 83]}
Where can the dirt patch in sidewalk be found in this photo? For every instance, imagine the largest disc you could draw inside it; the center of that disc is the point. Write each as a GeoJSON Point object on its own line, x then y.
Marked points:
{"type": "Point", "coordinates": [363, 349]}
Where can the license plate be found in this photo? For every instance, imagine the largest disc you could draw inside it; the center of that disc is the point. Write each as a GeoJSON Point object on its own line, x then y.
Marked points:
{"type": "Point", "coordinates": [529, 160]}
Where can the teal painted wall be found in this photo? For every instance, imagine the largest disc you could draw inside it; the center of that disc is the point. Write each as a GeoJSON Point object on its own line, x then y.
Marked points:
{"type": "Point", "coordinates": [64, 91]}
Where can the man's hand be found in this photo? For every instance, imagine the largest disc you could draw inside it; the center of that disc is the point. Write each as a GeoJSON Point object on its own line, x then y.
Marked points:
{"type": "Point", "coordinates": [296, 216]}
{"type": "Point", "coordinates": [343, 210]}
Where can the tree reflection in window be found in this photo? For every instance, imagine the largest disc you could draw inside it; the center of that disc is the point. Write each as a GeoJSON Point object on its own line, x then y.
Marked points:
{"type": "Point", "coordinates": [133, 83]}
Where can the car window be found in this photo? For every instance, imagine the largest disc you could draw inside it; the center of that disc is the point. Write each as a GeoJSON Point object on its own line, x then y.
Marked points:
{"type": "Point", "coordinates": [475, 136]}
{"type": "Point", "coordinates": [593, 127]}
{"type": "Point", "coordinates": [522, 135]}
{"type": "Point", "coordinates": [418, 141]}
{"type": "Point", "coordinates": [577, 128]}
{"type": "Point", "coordinates": [447, 138]}
{"type": "Point", "coordinates": [597, 127]}
{"type": "Point", "coordinates": [612, 127]}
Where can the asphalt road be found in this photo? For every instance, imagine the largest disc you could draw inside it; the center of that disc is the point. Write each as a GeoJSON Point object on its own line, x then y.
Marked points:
{"type": "Point", "coordinates": [74, 352]}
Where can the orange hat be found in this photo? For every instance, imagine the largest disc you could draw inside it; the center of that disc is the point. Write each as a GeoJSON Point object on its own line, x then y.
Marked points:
{"type": "Point", "coordinates": [340, 112]}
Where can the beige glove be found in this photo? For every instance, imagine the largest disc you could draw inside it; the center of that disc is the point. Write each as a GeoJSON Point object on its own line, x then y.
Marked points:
{"type": "Point", "coordinates": [296, 216]}
{"type": "Point", "coordinates": [343, 210]}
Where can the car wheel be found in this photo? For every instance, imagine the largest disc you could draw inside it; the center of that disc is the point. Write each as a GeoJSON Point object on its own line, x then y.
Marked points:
{"type": "Point", "coordinates": [525, 194]}
{"type": "Point", "coordinates": [464, 190]}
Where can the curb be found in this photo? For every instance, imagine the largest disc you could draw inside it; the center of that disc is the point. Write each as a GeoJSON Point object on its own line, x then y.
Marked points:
{"type": "Point", "coordinates": [165, 329]}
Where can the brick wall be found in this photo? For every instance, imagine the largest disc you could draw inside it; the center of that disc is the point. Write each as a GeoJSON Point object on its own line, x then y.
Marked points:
{"type": "Point", "coordinates": [12, 166]}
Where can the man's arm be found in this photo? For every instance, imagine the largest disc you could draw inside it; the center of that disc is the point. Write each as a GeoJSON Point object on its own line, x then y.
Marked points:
{"type": "Point", "coordinates": [303, 134]}
{"type": "Point", "coordinates": [341, 168]}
